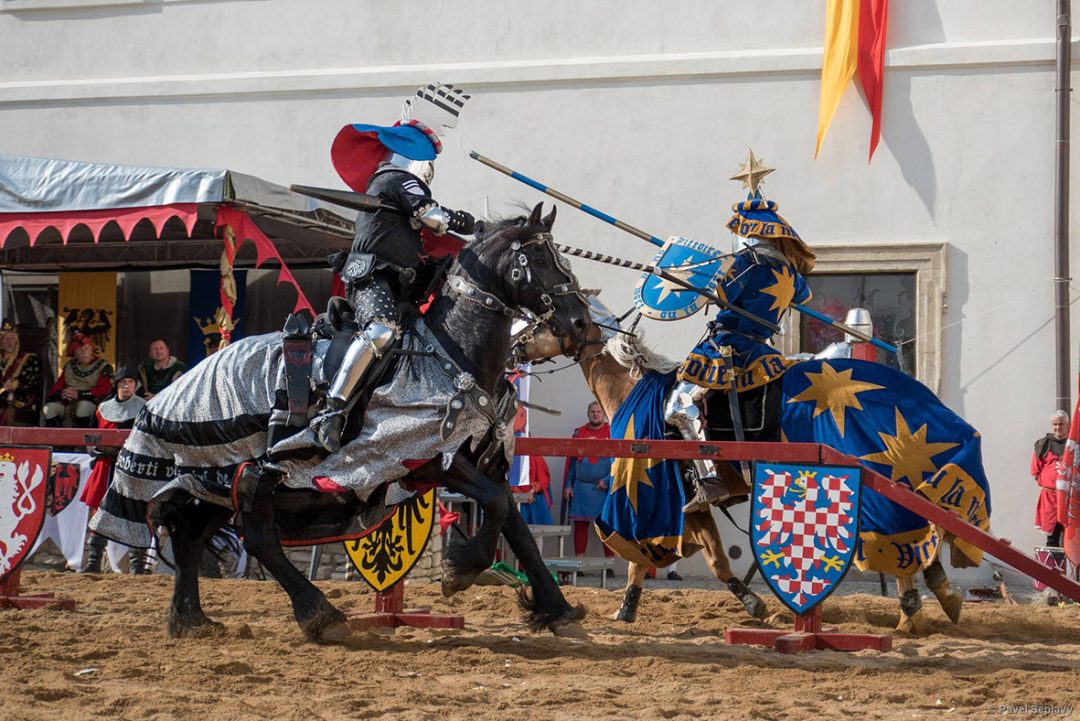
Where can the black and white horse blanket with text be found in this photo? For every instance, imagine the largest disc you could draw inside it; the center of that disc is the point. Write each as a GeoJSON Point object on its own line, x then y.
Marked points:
{"type": "Point", "coordinates": [194, 435]}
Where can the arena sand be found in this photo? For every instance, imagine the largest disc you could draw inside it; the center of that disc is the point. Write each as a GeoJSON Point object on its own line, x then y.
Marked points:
{"type": "Point", "coordinates": [112, 659]}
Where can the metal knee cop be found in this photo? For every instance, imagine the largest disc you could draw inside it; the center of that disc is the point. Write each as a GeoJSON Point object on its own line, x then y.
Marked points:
{"type": "Point", "coordinates": [681, 410]}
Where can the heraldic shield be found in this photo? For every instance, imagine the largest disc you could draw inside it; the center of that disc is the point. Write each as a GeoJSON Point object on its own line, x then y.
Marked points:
{"type": "Point", "coordinates": [387, 554]}
{"type": "Point", "coordinates": [699, 264]}
{"type": "Point", "coordinates": [23, 484]}
{"type": "Point", "coordinates": [804, 529]}
{"type": "Point", "coordinates": [63, 485]}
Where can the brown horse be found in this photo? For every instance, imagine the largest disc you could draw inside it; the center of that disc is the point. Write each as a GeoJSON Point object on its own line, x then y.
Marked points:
{"type": "Point", "coordinates": [612, 363]}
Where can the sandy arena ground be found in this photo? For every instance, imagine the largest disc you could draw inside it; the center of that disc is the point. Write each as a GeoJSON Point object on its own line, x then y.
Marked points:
{"type": "Point", "coordinates": [112, 659]}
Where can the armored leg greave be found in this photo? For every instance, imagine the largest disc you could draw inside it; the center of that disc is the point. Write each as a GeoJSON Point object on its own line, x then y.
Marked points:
{"type": "Point", "coordinates": [95, 545]}
{"type": "Point", "coordinates": [682, 411]}
{"type": "Point", "coordinates": [140, 562]}
{"type": "Point", "coordinates": [366, 346]}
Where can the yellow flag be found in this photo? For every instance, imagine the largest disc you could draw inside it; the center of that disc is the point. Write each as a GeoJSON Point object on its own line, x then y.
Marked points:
{"type": "Point", "coordinates": [839, 60]}
{"type": "Point", "coordinates": [88, 306]}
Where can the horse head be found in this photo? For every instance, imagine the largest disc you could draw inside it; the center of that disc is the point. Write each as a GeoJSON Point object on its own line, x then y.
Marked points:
{"type": "Point", "coordinates": [532, 344]}
{"type": "Point", "coordinates": [516, 263]}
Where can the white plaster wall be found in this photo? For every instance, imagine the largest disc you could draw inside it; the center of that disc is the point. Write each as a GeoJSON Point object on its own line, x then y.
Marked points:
{"type": "Point", "coordinates": [642, 109]}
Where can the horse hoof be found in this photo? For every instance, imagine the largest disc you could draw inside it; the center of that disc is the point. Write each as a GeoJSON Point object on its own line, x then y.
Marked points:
{"type": "Point", "coordinates": [915, 624]}
{"type": "Point", "coordinates": [335, 632]}
{"type": "Point", "coordinates": [755, 606]}
{"type": "Point", "coordinates": [952, 605]}
{"type": "Point", "coordinates": [454, 581]}
{"type": "Point", "coordinates": [326, 623]}
{"type": "Point", "coordinates": [627, 612]}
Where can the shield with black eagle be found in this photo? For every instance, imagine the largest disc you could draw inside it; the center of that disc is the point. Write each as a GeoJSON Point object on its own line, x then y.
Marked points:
{"type": "Point", "coordinates": [387, 554]}
{"type": "Point", "coordinates": [63, 486]}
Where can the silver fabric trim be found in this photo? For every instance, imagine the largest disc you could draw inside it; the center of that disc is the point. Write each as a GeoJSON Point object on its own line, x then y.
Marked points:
{"type": "Point", "coordinates": [403, 421]}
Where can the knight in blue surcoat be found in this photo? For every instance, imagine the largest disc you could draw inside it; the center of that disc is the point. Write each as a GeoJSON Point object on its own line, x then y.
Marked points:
{"type": "Point", "coordinates": [766, 277]}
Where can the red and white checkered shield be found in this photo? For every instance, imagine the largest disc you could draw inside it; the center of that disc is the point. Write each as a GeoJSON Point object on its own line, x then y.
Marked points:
{"type": "Point", "coordinates": [804, 527]}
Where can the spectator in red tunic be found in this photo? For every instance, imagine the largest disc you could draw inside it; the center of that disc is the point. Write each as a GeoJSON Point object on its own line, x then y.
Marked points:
{"type": "Point", "coordinates": [1044, 469]}
{"type": "Point", "coordinates": [85, 381]}
{"type": "Point", "coordinates": [585, 481]}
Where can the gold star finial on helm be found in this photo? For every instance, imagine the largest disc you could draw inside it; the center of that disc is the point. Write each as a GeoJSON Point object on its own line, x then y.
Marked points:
{"type": "Point", "coordinates": [752, 172]}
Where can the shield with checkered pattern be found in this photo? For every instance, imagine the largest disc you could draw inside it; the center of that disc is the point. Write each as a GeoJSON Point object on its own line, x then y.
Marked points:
{"type": "Point", "coordinates": [804, 529]}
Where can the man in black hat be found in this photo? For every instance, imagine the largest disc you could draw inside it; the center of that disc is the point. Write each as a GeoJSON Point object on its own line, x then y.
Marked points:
{"type": "Point", "coordinates": [117, 411]}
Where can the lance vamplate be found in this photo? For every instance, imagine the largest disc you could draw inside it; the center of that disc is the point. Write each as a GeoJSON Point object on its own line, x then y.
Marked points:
{"type": "Point", "coordinates": [626, 227]}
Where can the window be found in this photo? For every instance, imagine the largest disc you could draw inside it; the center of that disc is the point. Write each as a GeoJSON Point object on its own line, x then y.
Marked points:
{"type": "Point", "coordinates": [903, 286]}
{"type": "Point", "coordinates": [890, 298]}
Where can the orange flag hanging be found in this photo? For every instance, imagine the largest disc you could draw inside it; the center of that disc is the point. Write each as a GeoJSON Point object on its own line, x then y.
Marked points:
{"type": "Point", "coordinates": [854, 40]}
{"type": "Point", "coordinates": [839, 61]}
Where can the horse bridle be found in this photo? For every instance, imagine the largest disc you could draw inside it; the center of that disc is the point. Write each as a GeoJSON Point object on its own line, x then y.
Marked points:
{"type": "Point", "coordinates": [521, 272]}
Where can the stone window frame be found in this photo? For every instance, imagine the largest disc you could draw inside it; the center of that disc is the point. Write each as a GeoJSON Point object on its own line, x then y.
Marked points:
{"type": "Point", "coordinates": [927, 260]}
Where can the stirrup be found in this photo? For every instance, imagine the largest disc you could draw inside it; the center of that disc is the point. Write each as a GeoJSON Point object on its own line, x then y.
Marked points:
{"type": "Point", "coordinates": [709, 491]}
{"type": "Point", "coordinates": [328, 427]}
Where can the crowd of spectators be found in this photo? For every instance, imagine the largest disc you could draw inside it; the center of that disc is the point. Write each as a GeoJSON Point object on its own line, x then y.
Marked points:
{"type": "Point", "coordinates": [86, 380]}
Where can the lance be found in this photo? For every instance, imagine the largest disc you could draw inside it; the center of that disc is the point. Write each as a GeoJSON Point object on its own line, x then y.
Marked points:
{"type": "Point", "coordinates": [659, 243]}
{"type": "Point", "coordinates": [660, 272]}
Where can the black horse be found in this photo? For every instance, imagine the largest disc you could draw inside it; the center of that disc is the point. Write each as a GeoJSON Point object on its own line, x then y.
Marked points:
{"type": "Point", "coordinates": [511, 267]}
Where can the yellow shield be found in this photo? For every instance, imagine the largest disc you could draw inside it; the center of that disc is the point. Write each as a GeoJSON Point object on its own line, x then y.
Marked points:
{"type": "Point", "coordinates": [387, 554]}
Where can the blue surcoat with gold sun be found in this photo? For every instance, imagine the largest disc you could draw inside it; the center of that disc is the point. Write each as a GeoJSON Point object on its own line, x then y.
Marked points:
{"type": "Point", "coordinates": [765, 286]}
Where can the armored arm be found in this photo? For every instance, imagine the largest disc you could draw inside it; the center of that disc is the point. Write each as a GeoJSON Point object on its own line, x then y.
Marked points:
{"type": "Point", "coordinates": [439, 220]}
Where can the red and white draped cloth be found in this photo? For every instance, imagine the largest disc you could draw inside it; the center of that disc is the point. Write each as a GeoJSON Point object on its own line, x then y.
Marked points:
{"type": "Point", "coordinates": [1068, 492]}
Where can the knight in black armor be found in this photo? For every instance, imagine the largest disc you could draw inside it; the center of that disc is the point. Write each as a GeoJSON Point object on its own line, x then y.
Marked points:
{"type": "Point", "coordinates": [395, 164]}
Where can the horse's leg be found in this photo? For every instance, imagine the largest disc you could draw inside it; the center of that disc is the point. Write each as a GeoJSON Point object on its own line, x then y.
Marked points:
{"type": "Point", "coordinates": [190, 528]}
{"type": "Point", "coordinates": [938, 581]}
{"type": "Point", "coordinates": [635, 579]}
{"type": "Point", "coordinates": [317, 617]}
{"type": "Point", "coordinates": [547, 608]}
{"type": "Point", "coordinates": [465, 560]}
{"type": "Point", "coordinates": [712, 548]}
{"type": "Point", "coordinates": [912, 617]}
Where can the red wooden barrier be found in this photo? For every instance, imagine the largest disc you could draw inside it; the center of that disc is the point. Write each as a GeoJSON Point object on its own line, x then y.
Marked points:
{"type": "Point", "coordinates": [806, 453]}
{"type": "Point", "coordinates": [678, 450]}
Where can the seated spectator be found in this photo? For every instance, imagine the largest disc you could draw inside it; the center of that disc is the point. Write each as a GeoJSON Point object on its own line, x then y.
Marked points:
{"type": "Point", "coordinates": [162, 369]}
{"type": "Point", "coordinates": [85, 381]}
{"type": "Point", "coordinates": [117, 411]}
{"type": "Point", "coordinates": [20, 381]}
